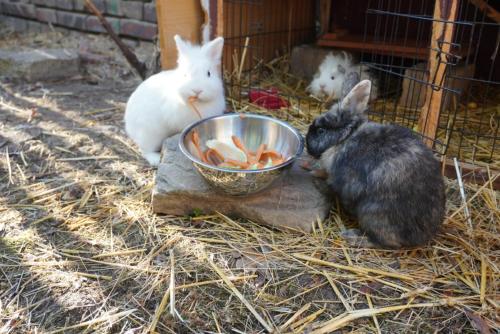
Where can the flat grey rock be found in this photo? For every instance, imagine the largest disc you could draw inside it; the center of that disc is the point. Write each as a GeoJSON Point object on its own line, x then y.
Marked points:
{"type": "Point", "coordinates": [293, 201]}
{"type": "Point", "coordinates": [39, 64]}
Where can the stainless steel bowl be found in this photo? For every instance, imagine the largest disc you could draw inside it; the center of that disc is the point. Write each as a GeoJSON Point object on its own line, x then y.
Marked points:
{"type": "Point", "coordinates": [253, 130]}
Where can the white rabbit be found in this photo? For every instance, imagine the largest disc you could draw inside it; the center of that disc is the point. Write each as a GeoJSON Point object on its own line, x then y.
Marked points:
{"type": "Point", "coordinates": [329, 80]}
{"type": "Point", "coordinates": [160, 107]}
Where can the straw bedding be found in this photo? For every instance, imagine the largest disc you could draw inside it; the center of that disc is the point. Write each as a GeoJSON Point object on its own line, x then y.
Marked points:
{"type": "Point", "coordinates": [81, 250]}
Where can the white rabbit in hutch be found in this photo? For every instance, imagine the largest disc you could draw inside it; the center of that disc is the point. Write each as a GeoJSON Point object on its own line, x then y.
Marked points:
{"type": "Point", "coordinates": [337, 75]}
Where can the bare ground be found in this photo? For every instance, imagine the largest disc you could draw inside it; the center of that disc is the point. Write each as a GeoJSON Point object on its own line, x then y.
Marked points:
{"type": "Point", "coordinates": [82, 252]}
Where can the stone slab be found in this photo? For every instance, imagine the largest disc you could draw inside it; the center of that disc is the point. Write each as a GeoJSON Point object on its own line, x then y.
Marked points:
{"type": "Point", "coordinates": [39, 64]}
{"type": "Point", "coordinates": [295, 200]}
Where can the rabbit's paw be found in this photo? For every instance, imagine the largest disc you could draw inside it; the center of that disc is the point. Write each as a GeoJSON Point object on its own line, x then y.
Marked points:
{"type": "Point", "coordinates": [320, 173]}
{"type": "Point", "coordinates": [355, 238]}
{"type": "Point", "coordinates": [152, 157]}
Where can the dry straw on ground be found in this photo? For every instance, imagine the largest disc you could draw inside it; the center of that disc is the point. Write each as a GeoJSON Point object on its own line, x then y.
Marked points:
{"type": "Point", "coordinates": [81, 251]}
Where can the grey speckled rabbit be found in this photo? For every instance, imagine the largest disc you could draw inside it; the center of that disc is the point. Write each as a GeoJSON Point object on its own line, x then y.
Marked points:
{"type": "Point", "coordinates": [383, 174]}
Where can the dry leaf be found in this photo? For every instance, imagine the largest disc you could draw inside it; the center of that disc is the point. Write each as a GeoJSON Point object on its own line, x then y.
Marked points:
{"type": "Point", "coordinates": [479, 323]}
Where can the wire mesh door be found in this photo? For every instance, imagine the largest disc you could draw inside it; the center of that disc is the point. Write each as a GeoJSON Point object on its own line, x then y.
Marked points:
{"type": "Point", "coordinates": [259, 35]}
{"type": "Point", "coordinates": [469, 87]}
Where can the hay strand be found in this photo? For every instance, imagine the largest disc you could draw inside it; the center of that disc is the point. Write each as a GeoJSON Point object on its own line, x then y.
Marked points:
{"type": "Point", "coordinates": [238, 294]}
{"type": "Point", "coordinates": [105, 318]}
{"type": "Point", "coordinates": [172, 283]}
{"type": "Point", "coordinates": [355, 269]}
{"type": "Point", "coordinates": [346, 318]}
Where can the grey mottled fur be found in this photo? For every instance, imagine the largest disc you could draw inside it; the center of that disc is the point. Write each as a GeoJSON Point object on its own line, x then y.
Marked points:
{"type": "Point", "coordinates": [383, 174]}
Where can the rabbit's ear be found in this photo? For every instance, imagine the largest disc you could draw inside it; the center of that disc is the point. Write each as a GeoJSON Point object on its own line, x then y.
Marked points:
{"type": "Point", "coordinates": [357, 99]}
{"type": "Point", "coordinates": [182, 46]}
{"type": "Point", "coordinates": [214, 49]}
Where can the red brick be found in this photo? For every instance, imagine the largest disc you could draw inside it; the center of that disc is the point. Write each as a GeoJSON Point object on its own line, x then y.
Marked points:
{"type": "Point", "coordinates": [64, 4]}
{"type": "Point", "coordinates": [71, 20]}
{"type": "Point", "coordinates": [93, 24]}
{"type": "Point", "coordinates": [80, 5]}
{"type": "Point", "coordinates": [132, 9]}
{"type": "Point", "coordinates": [113, 7]}
{"type": "Point", "coordinates": [150, 12]}
{"type": "Point", "coordinates": [19, 9]}
{"type": "Point", "coordinates": [139, 29]}
{"type": "Point", "coordinates": [45, 3]}
{"type": "Point", "coordinates": [46, 15]}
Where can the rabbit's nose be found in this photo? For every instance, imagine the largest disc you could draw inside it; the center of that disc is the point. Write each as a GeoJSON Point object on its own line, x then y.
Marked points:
{"type": "Point", "coordinates": [197, 92]}
{"type": "Point", "coordinates": [322, 86]}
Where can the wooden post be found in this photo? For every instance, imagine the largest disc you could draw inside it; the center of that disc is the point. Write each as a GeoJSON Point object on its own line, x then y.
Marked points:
{"type": "Point", "coordinates": [325, 10]}
{"type": "Point", "coordinates": [213, 16]}
{"type": "Point", "coordinates": [491, 12]}
{"type": "Point", "coordinates": [442, 33]}
{"type": "Point", "coordinates": [219, 21]}
{"type": "Point", "coordinates": [177, 17]}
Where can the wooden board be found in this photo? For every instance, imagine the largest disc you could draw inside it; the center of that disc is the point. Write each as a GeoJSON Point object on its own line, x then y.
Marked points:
{"type": "Point", "coordinates": [325, 7]}
{"type": "Point", "coordinates": [399, 48]}
{"type": "Point", "coordinates": [177, 17]}
{"type": "Point", "coordinates": [442, 33]}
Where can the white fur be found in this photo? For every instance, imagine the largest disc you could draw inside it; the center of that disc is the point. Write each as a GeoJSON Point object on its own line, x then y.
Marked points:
{"type": "Point", "coordinates": [324, 87]}
{"type": "Point", "coordinates": [159, 107]}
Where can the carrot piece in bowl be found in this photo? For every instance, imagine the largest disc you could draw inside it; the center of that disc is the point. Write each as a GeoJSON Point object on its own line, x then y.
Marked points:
{"type": "Point", "coordinates": [195, 138]}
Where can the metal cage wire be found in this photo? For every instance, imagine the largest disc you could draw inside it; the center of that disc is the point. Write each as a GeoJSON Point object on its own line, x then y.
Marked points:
{"type": "Point", "coordinates": [469, 117]}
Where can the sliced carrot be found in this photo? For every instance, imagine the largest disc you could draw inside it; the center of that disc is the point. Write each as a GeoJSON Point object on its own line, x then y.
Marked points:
{"type": "Point", "coordinates": [258, 154]}
{"type": "Point", "coordinates": [225, 165]}
{"type": "Point", "coordinates": [278, 162]}
{"type": "Point", "coordinates": [237, 142]}
{"type": "Point", "coordinates": [214, 157]}
{"type": "Point", "coordinates": [270, 154]}
{"type": "Point", "coordinates": [195, 138]}
{"type": "Point", "coordinates": [237, 163]}
{"type": "Point", "coordinates": [191, 101]}
{"type": "Point", "coordinates": [259, 157]}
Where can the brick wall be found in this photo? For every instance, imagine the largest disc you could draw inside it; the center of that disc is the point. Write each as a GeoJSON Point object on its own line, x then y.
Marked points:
{"type": "Point", "coordinates": [129, 18]}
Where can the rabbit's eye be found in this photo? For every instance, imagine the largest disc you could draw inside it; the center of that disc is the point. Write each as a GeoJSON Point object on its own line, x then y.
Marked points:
{"type": "Point", "coordinates": [321, 131]}
{"type": "Point", "coordinates": [332, 77]}
{"type": "Point", "coordinates": [208, 73]}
